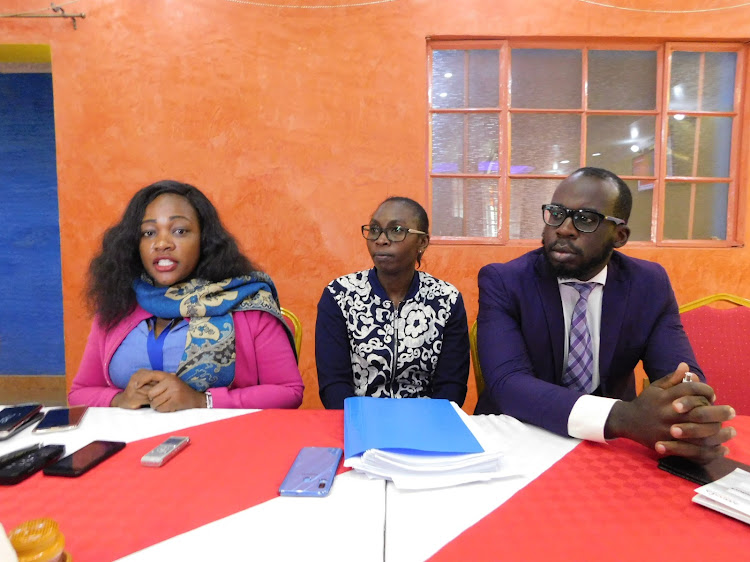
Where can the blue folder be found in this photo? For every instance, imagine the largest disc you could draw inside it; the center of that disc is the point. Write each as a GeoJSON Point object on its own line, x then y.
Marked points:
{"type": "Point", "coordinates": [407, 425]}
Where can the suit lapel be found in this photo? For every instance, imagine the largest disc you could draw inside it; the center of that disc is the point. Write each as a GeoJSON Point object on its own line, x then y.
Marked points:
{"type": "Point", "coordinates": [549, 292]}
{"type": "Point", "coordinates": [614, 304]}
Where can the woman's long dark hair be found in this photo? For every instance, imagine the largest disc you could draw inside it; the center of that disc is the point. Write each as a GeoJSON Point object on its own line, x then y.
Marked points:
{"type": "Point", "coordinates": [112, 272]}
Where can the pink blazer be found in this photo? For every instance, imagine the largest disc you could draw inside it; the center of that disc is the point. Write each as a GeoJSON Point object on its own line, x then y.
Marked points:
{"type": "Point", "coordinates": [266, 373]}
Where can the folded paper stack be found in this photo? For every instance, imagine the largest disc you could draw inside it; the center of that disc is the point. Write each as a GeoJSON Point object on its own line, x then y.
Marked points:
{"type": "Point", "coordinates": [418, 443]}
{"type": "Point", "coordinates": [729, 495]}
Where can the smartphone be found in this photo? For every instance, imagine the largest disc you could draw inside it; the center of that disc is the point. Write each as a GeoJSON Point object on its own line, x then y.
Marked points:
{"type": "Point", "coordinates": [15, 418]}
{"type": "Point", "coordinates": [84, 459]}
{"type": "Point", "coordinates": [61, 419]}
{"type": "Point", "coordinates": [700, 473]}
{"type": "Point", "coordinates": [15, 455]}
{"type": "Point", "coordinates": [165, 451]}
{"type": "Point", "coordinates": [30, 463]}
{"type": "Point", "coordinates": [312, 472]}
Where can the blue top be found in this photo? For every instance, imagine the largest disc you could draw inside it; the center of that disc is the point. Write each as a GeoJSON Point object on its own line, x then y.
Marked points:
{"type": "Point", "coordinates": [363, 347]}
{"type": "Point", "coordinates": [132, 355]}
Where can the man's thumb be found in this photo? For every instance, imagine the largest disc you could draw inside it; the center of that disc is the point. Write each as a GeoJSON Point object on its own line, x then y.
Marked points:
{"type": "Point", "coordinates": [675, 378]}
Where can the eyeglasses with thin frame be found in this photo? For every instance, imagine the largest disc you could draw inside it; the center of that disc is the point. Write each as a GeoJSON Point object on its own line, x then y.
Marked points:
{"type": "Point", "coordinates": [584, 220]}
{"type": "Point", "coordinates": [393, 233]}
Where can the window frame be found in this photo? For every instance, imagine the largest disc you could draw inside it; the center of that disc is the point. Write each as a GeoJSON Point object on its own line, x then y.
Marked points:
{"type": "Point", "coordinates": [661, 113]}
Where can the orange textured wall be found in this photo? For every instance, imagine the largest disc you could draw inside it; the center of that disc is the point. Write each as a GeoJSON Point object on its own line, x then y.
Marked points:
{"type": "Point", "coordinates": [297, 123]}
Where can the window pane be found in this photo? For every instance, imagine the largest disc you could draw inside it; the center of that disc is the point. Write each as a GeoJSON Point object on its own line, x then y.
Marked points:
{"type": "Point", "coordinates": [447, 143]}
{"type": "Point", "coordinates": [481, 205]}
{"type": "Point", "coordinates": [709, 204]}
{"type": "Point", "coordinates": [465, 207]}
{"type": "Point", "coordinates": [526, 199]}
{"type": "Point", "coordinates": [447, 207]}
{"type": "Point", "coordinates": [718, 88]}
{"type": "Point", "coordinates": [640, 216]}
{"type": "Point", "coordinates": [708, 138]}
{"type": "Point", "coordinates": [484, 77]}
{"type": "Point", "coordinates": [483, 143]}
{"type": "Point", "coordinates": [622, 80]}
{"type": "Point", "coordinates": [448, 147]}
{"type": "Point", "coordinates": [614, 137]}
{"type": "Point", "coordinates": [447, 79]}
{"type": "Point", "coordinates": [545, 144]}
{"type": "Point", "coordinates": [546, 79]}
{"type": "Point", "coordinates": [717, 93]}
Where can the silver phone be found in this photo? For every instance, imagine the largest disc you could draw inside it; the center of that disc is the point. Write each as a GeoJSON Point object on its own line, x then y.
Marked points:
{"type": "Point", "coordinates": [14, 418]}
{"type": "Point", "coordinates": [61, 419]}
{"type": "Point", "coordinates": [165, 451]}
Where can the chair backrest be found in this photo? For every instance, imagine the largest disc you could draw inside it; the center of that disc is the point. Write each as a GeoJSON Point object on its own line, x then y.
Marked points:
{"type": "Point", "coordinates": [719, 337]}
{"type": "Point", "coordinates": [296, 326]}
{"type": "Point", "coordinates": [475, 358]}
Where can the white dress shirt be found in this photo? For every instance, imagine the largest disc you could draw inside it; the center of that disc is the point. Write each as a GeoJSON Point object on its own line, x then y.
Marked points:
{"type": "Point", "coordinates": [589, 413]}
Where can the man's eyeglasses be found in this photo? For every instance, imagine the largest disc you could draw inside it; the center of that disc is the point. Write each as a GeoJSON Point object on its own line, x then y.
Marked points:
{"type": "Point", "coordinates": [393, 233]}
{"type": "Point", "coordinates": [583, 219]}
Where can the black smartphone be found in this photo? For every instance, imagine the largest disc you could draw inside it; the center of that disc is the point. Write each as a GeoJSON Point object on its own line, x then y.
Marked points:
{"type": "Point", "coordinates": [700, 473]}
{"type": "Point", "coordinates": [18, 453]}
{"type": "Point", "coordinates": [14, 418]}
{"type": "Point", "coordinates": [61, 419]}
{"type": "Point", "coordinates": [19, 469]}
{"type": "Point", "coordinates": [84, 459]}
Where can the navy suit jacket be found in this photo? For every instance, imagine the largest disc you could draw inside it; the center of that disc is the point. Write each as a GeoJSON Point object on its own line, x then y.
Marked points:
{"type": "Point", "coordinates": [521, 336]}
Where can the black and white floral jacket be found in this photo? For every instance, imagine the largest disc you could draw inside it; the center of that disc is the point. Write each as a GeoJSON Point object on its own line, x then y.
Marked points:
{"type": "Point", "coordinates": [364, 347]}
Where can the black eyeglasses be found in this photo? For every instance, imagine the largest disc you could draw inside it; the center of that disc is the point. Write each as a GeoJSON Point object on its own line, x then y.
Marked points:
{"type": "Point", "coordinates": [393, 233]}
{"type": "Point", "coordinates": [584, 220]}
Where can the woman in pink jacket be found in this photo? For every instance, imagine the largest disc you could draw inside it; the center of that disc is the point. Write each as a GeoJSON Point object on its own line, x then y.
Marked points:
{"type": "Point", "coordinates": [183, 319]}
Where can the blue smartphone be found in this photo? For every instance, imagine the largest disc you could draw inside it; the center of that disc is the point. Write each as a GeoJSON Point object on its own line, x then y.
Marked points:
{"type": "Point", "coordinates": [312, 472]}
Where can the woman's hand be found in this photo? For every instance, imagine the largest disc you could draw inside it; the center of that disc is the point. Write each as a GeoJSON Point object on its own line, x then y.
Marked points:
{"type": "Point", "coordinates": [167, 393]}
{"type": "Point", "coordinates": [135, 394]}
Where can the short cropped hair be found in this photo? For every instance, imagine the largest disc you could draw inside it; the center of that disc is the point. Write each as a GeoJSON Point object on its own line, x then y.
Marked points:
{"type": "Point", "coordinates": [624, 202]}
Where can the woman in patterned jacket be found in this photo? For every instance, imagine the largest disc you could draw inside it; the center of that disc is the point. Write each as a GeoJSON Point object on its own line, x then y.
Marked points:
{"type": "Point", "coordinates": [183, 319]}
{"type": "Point", "coordinates": [392, 331]}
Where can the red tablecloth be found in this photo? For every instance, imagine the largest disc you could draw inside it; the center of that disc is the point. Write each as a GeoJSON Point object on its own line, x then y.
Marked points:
{"type": "Point", "coordinates": [608, 502]}
{"type": "Point", "coordinates": [121, 507]}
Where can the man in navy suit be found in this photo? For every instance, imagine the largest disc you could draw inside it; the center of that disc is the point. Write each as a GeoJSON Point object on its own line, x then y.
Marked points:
{"type": "Point", "coordinates": [529, 306]}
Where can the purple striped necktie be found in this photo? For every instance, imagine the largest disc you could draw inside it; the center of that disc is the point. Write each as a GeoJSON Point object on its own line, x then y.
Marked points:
{"type": "Point", "coordinates": [579, 374]}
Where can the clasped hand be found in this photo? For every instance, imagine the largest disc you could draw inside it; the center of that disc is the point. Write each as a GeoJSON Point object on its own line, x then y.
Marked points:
{"type": "Point", "coordinates": [675, 418]}
{"type": "Point", "coordinates": [162, 391]}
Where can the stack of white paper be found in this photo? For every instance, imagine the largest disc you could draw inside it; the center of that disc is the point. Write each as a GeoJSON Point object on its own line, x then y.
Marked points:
{"type": "Point", "coordinates": [729, 495]}
{"type": "Point", "coordinates": [424, 459]}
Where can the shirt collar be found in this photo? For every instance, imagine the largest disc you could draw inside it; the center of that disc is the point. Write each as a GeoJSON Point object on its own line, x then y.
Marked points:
{"type": "Point", "coordinates": [600, 278]}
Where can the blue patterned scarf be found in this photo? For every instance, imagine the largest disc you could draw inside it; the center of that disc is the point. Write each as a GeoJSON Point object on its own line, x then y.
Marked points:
{"type": "Point", "coordinates": [209, 357]}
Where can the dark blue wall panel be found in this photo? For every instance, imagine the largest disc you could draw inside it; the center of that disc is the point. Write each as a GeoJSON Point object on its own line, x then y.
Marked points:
{"type": "Point", "coordinates": [31, 316]}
